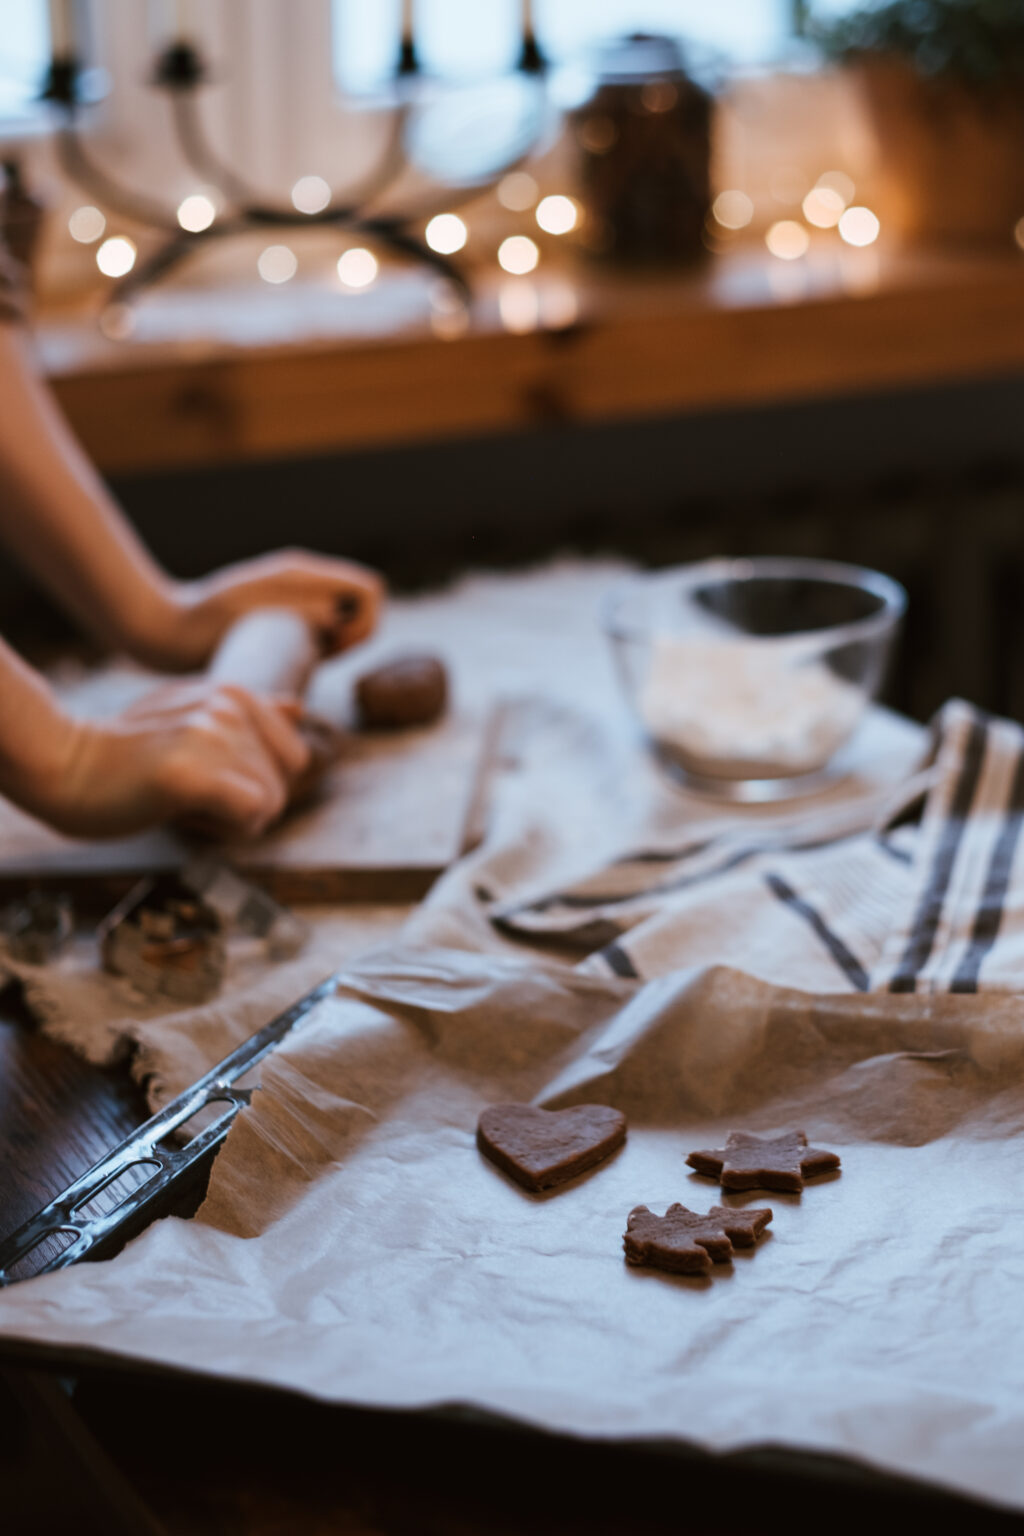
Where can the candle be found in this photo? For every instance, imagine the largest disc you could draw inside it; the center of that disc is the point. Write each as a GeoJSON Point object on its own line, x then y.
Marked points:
{"type": "Point", "coordinates": [176, 18]}
{"type": "Point", "coordinates": [62, 29]}
{"type": "Point", "coordinates": [408, 8]}
{"type": "Point", "coordinates": [531, 60]}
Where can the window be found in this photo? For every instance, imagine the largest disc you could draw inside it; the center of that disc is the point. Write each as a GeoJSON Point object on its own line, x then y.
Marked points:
{"type": "Point", "coordinates": [460, 38]}
{"type": "Point", "coordinates": [24, 54]}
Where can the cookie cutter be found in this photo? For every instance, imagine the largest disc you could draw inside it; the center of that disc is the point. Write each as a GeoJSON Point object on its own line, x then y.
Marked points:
{"type": "Point", "coordinates": [246, 908]}
{"type": "Point", "coordinates": [169, 936]}
{"type": "Point", "coordinates": [166, 940]}
{"type": "Point", "coordinates": [37, 928]}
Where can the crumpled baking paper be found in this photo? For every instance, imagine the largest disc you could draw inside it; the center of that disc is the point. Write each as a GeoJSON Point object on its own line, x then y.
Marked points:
{"type": "Point", "coordinates": [356, 1247]}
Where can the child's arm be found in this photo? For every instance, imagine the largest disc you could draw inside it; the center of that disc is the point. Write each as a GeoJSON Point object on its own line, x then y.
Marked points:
{"type": "Point", "coordinates": [59, 519]}
{"type": "Point", "coordinates": [213, 755]}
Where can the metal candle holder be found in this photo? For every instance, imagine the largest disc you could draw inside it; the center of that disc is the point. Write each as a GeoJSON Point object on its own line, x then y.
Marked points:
{"type": "Point", "coordinates": [181, 71]}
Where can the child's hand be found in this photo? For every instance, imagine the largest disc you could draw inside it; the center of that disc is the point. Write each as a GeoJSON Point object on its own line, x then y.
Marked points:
{"type": "Point", "coordinates": [340, 600]}
{"type": "Point", "coordinates": [213, 756]}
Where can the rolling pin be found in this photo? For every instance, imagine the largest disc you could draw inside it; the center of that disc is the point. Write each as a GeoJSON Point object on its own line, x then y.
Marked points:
{"type": "Point", "coordinates": [271, 650]}
{"type": "Point", "coordinates": [274, 650]}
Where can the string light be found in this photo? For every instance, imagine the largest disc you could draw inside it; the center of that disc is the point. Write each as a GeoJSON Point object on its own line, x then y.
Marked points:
{"type": "Point", "coordinates": [180, 66]}
{"type": "Point", "coordinates": [557, 215]}
{"type": "Point", "coordinates": [358, 267]}
{"type": "Point", "coordinates": [310, 194]}
{"type": "Point", "coordinates": [859, 226]}
{"type": "Point", "coordinates": [449, 312]}
{"type": "Point", "coordinates": [116, 256]}
{"type": "Point", "coordinates": [732, 209]}
{"type": "Point", "coordinates": [196, 213]}
{"type": "Point", "coordinates": [559, 306]}
{"type": "Point", "coordinates": [840, 183]}
{"type": "Point", "coordinates": [86, 225]}
{"type": "Point", "coordinates": [519, 306]}
{"type": "Point", "coordinates": [518, 255]}
{"type": "Point", "coordinates": [597, 134]}
{"type": "Point", "coordinates": [658, 96]}
{"type": "Point", "coordinates": [446, 234]}
{"type": "Point", "coordinates": [788, 240]}
{"type": "Point", "coordinates": [517, 191]}
{"type": "Point", "coordinates": [823, 207]}
{"type": "Point", "coordinates": [277, 264]}
{"type": "Point", "coordinates": [859, 271]}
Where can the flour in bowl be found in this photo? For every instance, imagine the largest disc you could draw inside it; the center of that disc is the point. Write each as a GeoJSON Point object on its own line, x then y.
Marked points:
{"type": "Point", "coordinates": [748, 708]}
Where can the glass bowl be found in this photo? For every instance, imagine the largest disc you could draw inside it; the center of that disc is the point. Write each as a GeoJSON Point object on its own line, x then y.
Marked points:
{"type": "Point", "coordinates": [747, 676]}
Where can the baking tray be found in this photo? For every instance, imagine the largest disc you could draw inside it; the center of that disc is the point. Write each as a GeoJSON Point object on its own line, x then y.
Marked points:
{"type": "Point", "coordinates": [153, 1170]}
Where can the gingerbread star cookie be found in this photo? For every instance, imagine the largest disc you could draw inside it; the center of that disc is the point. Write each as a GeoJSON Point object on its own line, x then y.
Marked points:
{"type": "Point", "coordinates": [687, 1243]}
{"type": "Point", "coordinates": [764, 1162]}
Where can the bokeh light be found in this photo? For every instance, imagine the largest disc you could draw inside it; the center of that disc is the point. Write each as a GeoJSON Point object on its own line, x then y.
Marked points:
{"type": "Point", "coordinates": [597, 134]}
{"type": "Point", "coordinates": [277, 264]}
{"type": "Point", "coordinates": [788, 240]}
{"type": "Point", "coordinates": [310, 194]}
{"type": "Point", "coordinates": [518, 255]}
{"type": "Point", "coordinates": [116, 256]}
{"type": "Point", "coordinates": [519, 306]}
{"type": "Point", "coordinates": [196, 213]}
{"type": "Point", "coordinates": [557, 214]}
{"type": "Point", "coordinates": [449, 312]}
{"type": "Point", "coordinates": [559, 305]}
{"type": "Point", "coordinates": [446, 233]}
{"type": "Point", "coordinates": [517, 191]}
{"type": "Point", "coordinates": [658, 96]}
{"type": "Point", "coordinates": [86, 225]}
{"type": "Point", "coordinates": [358, 267]}
{"type": "Point", "coordinates": [823, 207]}
{"type": "Point", "coordinates": [732, 209]}
{"type": "Point", "coordinates": [859, 226]}
{"type": "Point", "coordinates": [838, 182]}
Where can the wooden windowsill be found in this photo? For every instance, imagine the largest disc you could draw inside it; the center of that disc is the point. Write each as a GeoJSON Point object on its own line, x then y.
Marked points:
{"type": "Point", "coordinates": [224, 375]}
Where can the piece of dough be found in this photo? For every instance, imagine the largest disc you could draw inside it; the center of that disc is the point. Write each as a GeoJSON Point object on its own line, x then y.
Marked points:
{"type": "Point", "coordinates": [410, 690]}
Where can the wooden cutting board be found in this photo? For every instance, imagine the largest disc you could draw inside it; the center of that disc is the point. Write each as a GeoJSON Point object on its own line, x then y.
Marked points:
{"type": "Point", "coordinates": [397, 809]}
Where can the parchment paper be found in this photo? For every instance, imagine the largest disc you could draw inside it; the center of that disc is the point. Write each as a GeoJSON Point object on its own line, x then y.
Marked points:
{"type": "Point", "coordinates": [355, 1246]}
{"type": "Point", "coordinates": [384, 1262]}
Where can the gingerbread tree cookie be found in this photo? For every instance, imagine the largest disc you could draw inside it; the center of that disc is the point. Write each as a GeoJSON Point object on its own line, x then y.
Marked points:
{"type": "Point", "coordinates": [687, 1243]}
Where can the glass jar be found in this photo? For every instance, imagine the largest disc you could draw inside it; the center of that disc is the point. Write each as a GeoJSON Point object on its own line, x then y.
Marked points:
{"type": "Point", "coordinates": [643, 146]}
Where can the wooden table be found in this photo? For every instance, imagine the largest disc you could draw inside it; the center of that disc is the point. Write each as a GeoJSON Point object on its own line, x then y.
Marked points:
{"type": "Point", "coordinates": [231, 374]}
{"type": "Point", "coordinates": [207, 1458]}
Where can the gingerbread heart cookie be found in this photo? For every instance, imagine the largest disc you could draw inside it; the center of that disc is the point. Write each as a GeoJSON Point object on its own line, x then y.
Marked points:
{"type": "Point", "coordinates": [541, 1148]}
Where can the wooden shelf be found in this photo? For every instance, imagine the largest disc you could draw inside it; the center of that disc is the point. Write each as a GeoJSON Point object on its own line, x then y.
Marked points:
{"type": "Point", "coordinates": [222, 375]}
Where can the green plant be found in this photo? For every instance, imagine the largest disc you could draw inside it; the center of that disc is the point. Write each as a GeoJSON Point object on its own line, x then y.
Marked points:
{"type": "Point", "coordinates": [979, 42]}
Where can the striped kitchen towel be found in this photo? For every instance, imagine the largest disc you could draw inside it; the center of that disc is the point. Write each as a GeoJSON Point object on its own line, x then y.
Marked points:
{"type": "Point", "coordinates": [963, 929]}
{"type": "Point", "coordinates": [921, 891]}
